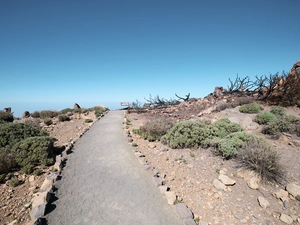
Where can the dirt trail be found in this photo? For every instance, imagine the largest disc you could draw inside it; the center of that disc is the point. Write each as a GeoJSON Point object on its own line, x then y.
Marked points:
{"type": "Point", "coordinates": [102, 183]}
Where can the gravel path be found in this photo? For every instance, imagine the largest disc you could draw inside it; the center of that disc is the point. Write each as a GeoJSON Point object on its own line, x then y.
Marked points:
{"type": "Point", "coordinates": [103, 183]}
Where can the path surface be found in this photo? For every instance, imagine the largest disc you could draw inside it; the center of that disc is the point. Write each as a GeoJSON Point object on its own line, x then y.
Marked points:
{"type": "Point", "coordinates": [103, 183]}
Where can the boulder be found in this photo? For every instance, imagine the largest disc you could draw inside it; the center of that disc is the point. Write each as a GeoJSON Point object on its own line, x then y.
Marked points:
{"type": "Point", "coordinates": [26, 114]}
{"type": "Point", "coordinates": [8, 109]}
{"type": "Point", "coordinates": [76, 106]}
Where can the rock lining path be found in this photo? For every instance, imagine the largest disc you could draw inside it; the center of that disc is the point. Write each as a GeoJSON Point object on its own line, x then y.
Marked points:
{"type": "Point", "coordinates": [103, 183]}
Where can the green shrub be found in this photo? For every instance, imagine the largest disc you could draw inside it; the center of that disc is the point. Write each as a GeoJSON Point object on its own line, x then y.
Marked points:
{"type": "Point", "coordinates": [6, 116]}
{"type": "Point", "coordinates": [7, 161]}
{"type": "Point", "coordinates": [257, 155]}
{"type": "Point", "coordinates": [250, 108]}
{"type": "Point", "coordinates": [63, 118]}
{"type": "Point", "coordinates": [34, 151]}
{"type": "Point", "coordinates": [33, 122]}
{"type": "Point", "coordinates": [185, 134]}
{"type": "Point", "coordinates": [77, 110]}
{"type": "Point", "coordinates": [155, 129]}
{"type": "Point", "coordinates": [37, 172]}
{"type": "Point", "coordinates": [264, 118]}
{"type": "Point", "coordinates": [66, 110]}
{"type": "Point", "coordinates": [99, 110]}
{"type": "Point", "coordinates": [228, 146]}
{"type": "Point", "coordinates": [276, 126]}
{"type": "Point", "coordinates": [298, 198]}
{"type": "Point", "coordinates": [48, 121]}
{"type": "Point", "coordinates": [48, 114]}
{"type": "Point", "coordinates": [278, 111]}
{"type": "Point", "coordinates": [2, 178]}
{"type": "Point", "coordinates": [88, 121]}
{"type": "Point", "coordinates": [35, 114]}
{"type": "Point", "coordinates": [190, 133]}
{"type": "Point", "coordinates": [14, 182]}
{"type": "Point", "coordinates": [135, 131]}
{"type": "Point", "coordinates": [134, 144]}
{"type": "Point", "coordinates": [11, 133]}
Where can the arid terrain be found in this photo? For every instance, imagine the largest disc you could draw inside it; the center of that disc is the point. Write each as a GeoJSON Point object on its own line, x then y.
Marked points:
{"type": "Point", "coordinates": [189, 173]}
{"type": "Point", "coordinates": [15, 202]}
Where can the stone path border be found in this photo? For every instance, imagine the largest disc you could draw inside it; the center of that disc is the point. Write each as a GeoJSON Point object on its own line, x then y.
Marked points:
{"type": "Point", "coordinates": [41, 199]}
{"type": "Point", "coordinates": [158, 179]}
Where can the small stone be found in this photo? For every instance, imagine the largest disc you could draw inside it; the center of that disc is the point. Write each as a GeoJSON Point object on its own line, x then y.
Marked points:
{"type": "Point", "coordinates": [263, 202]}
{"type": "Point", "coordinates": [243, 221]}
{"type": "Point", "coordinates": [281, 194]}
{"type": "Point", "coordinates": [219, 185]}
{"type": "Point", "coordinates": [252, 183]}
{"type": "Point", "coordinates": [157, 181]}
{"type": "Point", "coordinates": [31, 179]}
{"type": "Point", "coordinates": [156, 152]}
{"type": "Point", "coordinates": [293, 189]}
{"type": "Point", "coordinates": [226, 180]}
{"type": "Point", "coordinates": [152, 145]}
{"type": "Point", "coordinates": [38, 211]}
{"type": "Point", "coordinates": [13, 222]}
{"type": "Point", "coordinates": [138, 154]}
{"type": "Point", "coordinates": [171, 197]}
{"type": "Point", "coordinates": [163, 189]}
{"type": "Point", "coordinates": [50, 179]}
{"type": "Point", "coordinates": [286, 219]}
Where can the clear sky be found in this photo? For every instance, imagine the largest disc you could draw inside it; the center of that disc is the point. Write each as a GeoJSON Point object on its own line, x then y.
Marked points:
{"type": "Point", "coordinates": [95, 52]}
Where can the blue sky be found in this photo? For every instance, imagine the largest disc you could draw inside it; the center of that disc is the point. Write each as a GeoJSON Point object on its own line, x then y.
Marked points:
{"type": "Point", "coordinates": [95, 52]}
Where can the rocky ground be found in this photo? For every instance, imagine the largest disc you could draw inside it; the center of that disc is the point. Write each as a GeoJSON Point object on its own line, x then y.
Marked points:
{"type": "Point", "coordinates": [216, 190]}
{"type": "Point", "coordinates": [15, 202]}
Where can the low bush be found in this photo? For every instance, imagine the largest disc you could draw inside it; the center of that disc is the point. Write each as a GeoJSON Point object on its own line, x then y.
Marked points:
{"type": "Point", "coordinates": [34, 151]}
{"type": "Point", "coordinates": [48, 121]}
{"type": "Point", "coordinates": [135, 131]}
{"type": "Point", "coordinates": [184, 134]}
{"type": "Point", "coordinates": [7, 161]}
{"type": "Point", "coordinates": [264, 118]}
{"type": "Point", "coordinates": [48, 114]}
{"type": "Point", "coordinates": [250, 108]}
{"type": "Point", "coordinates": [278, 111]}
{"type": "Point", "coordinates": [190, 133]}
{"type": "Point", "coordinates": [33, 122]}
{"type": "Point", "coordinates": [2, 178]}
{"type": "Point", "coordinates": [11, 133]}
{"type": "Point", "coordinates": [14, 182]}
{"type": "Point", "coordinates": [35, 114]}
{"type": "Point", "coordinates": [88, 121]}
{"type": "Point", "coordinates": [66, 110]}
{"type": "Point", "coordinates": [257, 155]}
{"type": "Point", "coordinates": [228, 146]}
{"type": "Point", "coordinates": [99, 110]}
{"type": "Point", "coordinates": [63, 118]}
{"type": "Point", "coordinates": [275, 126]}
{"type": "Point", "coordinates": [6, 116]}
{"type": "Point", "coordinates": [155, 129]}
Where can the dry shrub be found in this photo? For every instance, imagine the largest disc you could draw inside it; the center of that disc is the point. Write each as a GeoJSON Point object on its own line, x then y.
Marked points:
{"type": "Point", "coordinates": [6, 116]}
{"type": "Point", "coordinates": [7, 161]}
{"type": "Point", "coordinates": [155, 129]}
{"type": "Point", "coordinates": [258, 156]}
{"type": "Point", "coordinates": [33, 122]}
{"type": "Point", "coordinates": [48, 114]}
{"type": "Point", "coordinates": [35, 114]}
